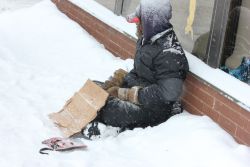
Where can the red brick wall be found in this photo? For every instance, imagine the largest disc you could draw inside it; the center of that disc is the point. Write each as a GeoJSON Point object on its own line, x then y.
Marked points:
{"type": "Point", "coordinates": [199, 98]}
{"type": "Point", "coordinates": [203, 99]}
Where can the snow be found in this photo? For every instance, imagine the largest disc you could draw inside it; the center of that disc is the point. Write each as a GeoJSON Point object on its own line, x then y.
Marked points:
{"type": "Point", "coordinates": [6, 5]}
{"type": "Point", "coordinates": [237, 90]}
{"type": "Point", "coordinates": [44, 58]}
{"type": "Point", "coordinates": [107, 16]}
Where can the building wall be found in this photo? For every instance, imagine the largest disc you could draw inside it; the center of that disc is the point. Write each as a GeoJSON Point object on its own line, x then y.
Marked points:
{"type": "Point", "coordinates": [199, 97]}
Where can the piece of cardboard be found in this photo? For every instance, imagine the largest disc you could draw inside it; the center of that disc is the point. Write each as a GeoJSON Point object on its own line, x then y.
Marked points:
{"type": "Point", "coordinates": [80, 109]}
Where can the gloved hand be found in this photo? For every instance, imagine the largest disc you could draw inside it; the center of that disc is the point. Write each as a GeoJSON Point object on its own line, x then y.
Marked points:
{"type": "Point", "coordinates": [113, 91]}
{"type": "Point", "coordinates": [129, 94]}
{"type": "Point", "coordinates": [116, 79]}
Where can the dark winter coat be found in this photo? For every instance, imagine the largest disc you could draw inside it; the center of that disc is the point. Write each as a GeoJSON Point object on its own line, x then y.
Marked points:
{"type": "Point", "coordinates": [160, 66]}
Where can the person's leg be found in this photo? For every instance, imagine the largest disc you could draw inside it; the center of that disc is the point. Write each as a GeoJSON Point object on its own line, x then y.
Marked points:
{"type": "Point", "coordinates": [125, 115]}
{"type": "Point", "coordinates": [115, 117]}
{"type": "Point", "coordinates": [119, 113]}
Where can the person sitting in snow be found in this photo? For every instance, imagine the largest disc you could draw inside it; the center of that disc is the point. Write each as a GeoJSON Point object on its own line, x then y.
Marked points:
{"type": "Point", "coordinates": [149, 94]}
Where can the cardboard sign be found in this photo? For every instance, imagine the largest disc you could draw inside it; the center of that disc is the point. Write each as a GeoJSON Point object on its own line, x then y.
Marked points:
{"type": "Point", "coordinates": [80, 109]}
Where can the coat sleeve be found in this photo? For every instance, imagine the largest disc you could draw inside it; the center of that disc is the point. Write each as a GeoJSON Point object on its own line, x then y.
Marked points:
{"type": "Point", "coordinates": [131, 79]}
{"type": "Point", "coordinates": [170, 71]}
{"type": "Point", "coordinates": [165, 91]}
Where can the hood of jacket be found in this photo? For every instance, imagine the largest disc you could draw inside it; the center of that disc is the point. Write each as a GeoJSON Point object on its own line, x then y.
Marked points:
{"type": "Point", "coordinates": [154, 16]}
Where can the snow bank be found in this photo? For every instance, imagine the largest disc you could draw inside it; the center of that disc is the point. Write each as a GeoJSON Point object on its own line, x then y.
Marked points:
{"type": "Point", "coordinates": [44, 58]}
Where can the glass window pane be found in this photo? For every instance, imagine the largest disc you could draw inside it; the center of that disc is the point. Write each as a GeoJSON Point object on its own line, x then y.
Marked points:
{"type": "Point", "coordinates": [110, 4]}
{"type": "Point", "coordinates": [238, 39]}
{"type": "Point", "coordinates": [191, 20]}
{"type": "Point", "coordinates": [236, 51]}
{"type": "Point", "coordinates": [129, 6]}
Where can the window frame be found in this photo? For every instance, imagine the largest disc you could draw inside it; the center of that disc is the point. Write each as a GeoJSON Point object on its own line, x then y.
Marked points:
{"type": "Point", "coordinates": [118, 7]}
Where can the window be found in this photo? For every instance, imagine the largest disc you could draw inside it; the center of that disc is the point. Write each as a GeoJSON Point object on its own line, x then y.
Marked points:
{"type": "Point", "coordinates": [129, 6]}
{"type": "Point", "coordinates": [192, 20]}
{"type": "Point", "coordinates": [120, 7]}
{"type": "Point", "coordinates": [236, 50]}
{"type": "Point", "coordinates": [110, 4]}
{"type": "Point", "coordinates": [237, 44]}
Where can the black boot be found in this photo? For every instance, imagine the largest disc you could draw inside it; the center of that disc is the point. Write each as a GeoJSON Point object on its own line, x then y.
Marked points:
{"type": "Point", "coordinates": [96, 130]}
{"type": "Point", "coordinates": [91, 131]}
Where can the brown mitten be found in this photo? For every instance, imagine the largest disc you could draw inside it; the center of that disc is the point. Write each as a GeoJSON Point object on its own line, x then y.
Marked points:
{"type": "Point", "coordinates": [120, 74]}
{"type": "Point", "coordinates": [113, 91]}
{"type": "Point", "coordinates": [116, 79]}
{"type": "Point", "coordinates": [108, 84]}
{"type": "Point", "coordinates": [127, 94]}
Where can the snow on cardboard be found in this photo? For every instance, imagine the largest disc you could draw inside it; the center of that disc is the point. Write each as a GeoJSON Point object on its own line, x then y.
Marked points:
{"type": "Point", "coordinates": [80, 109]}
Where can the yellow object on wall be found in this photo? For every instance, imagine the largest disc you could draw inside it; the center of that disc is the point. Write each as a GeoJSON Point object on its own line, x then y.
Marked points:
{"type": "Point", "coordinates": [190, 19]}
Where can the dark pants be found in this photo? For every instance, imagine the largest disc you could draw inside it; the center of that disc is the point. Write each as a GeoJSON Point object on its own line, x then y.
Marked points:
{"type": "Point", "coordinates": [124, 114]}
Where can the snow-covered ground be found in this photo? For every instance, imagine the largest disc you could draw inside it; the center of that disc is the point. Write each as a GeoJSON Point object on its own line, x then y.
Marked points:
{"type": "Point", "coordinates": [44, 58]}
{"type": "Point", "coordinates": [7, 5]}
